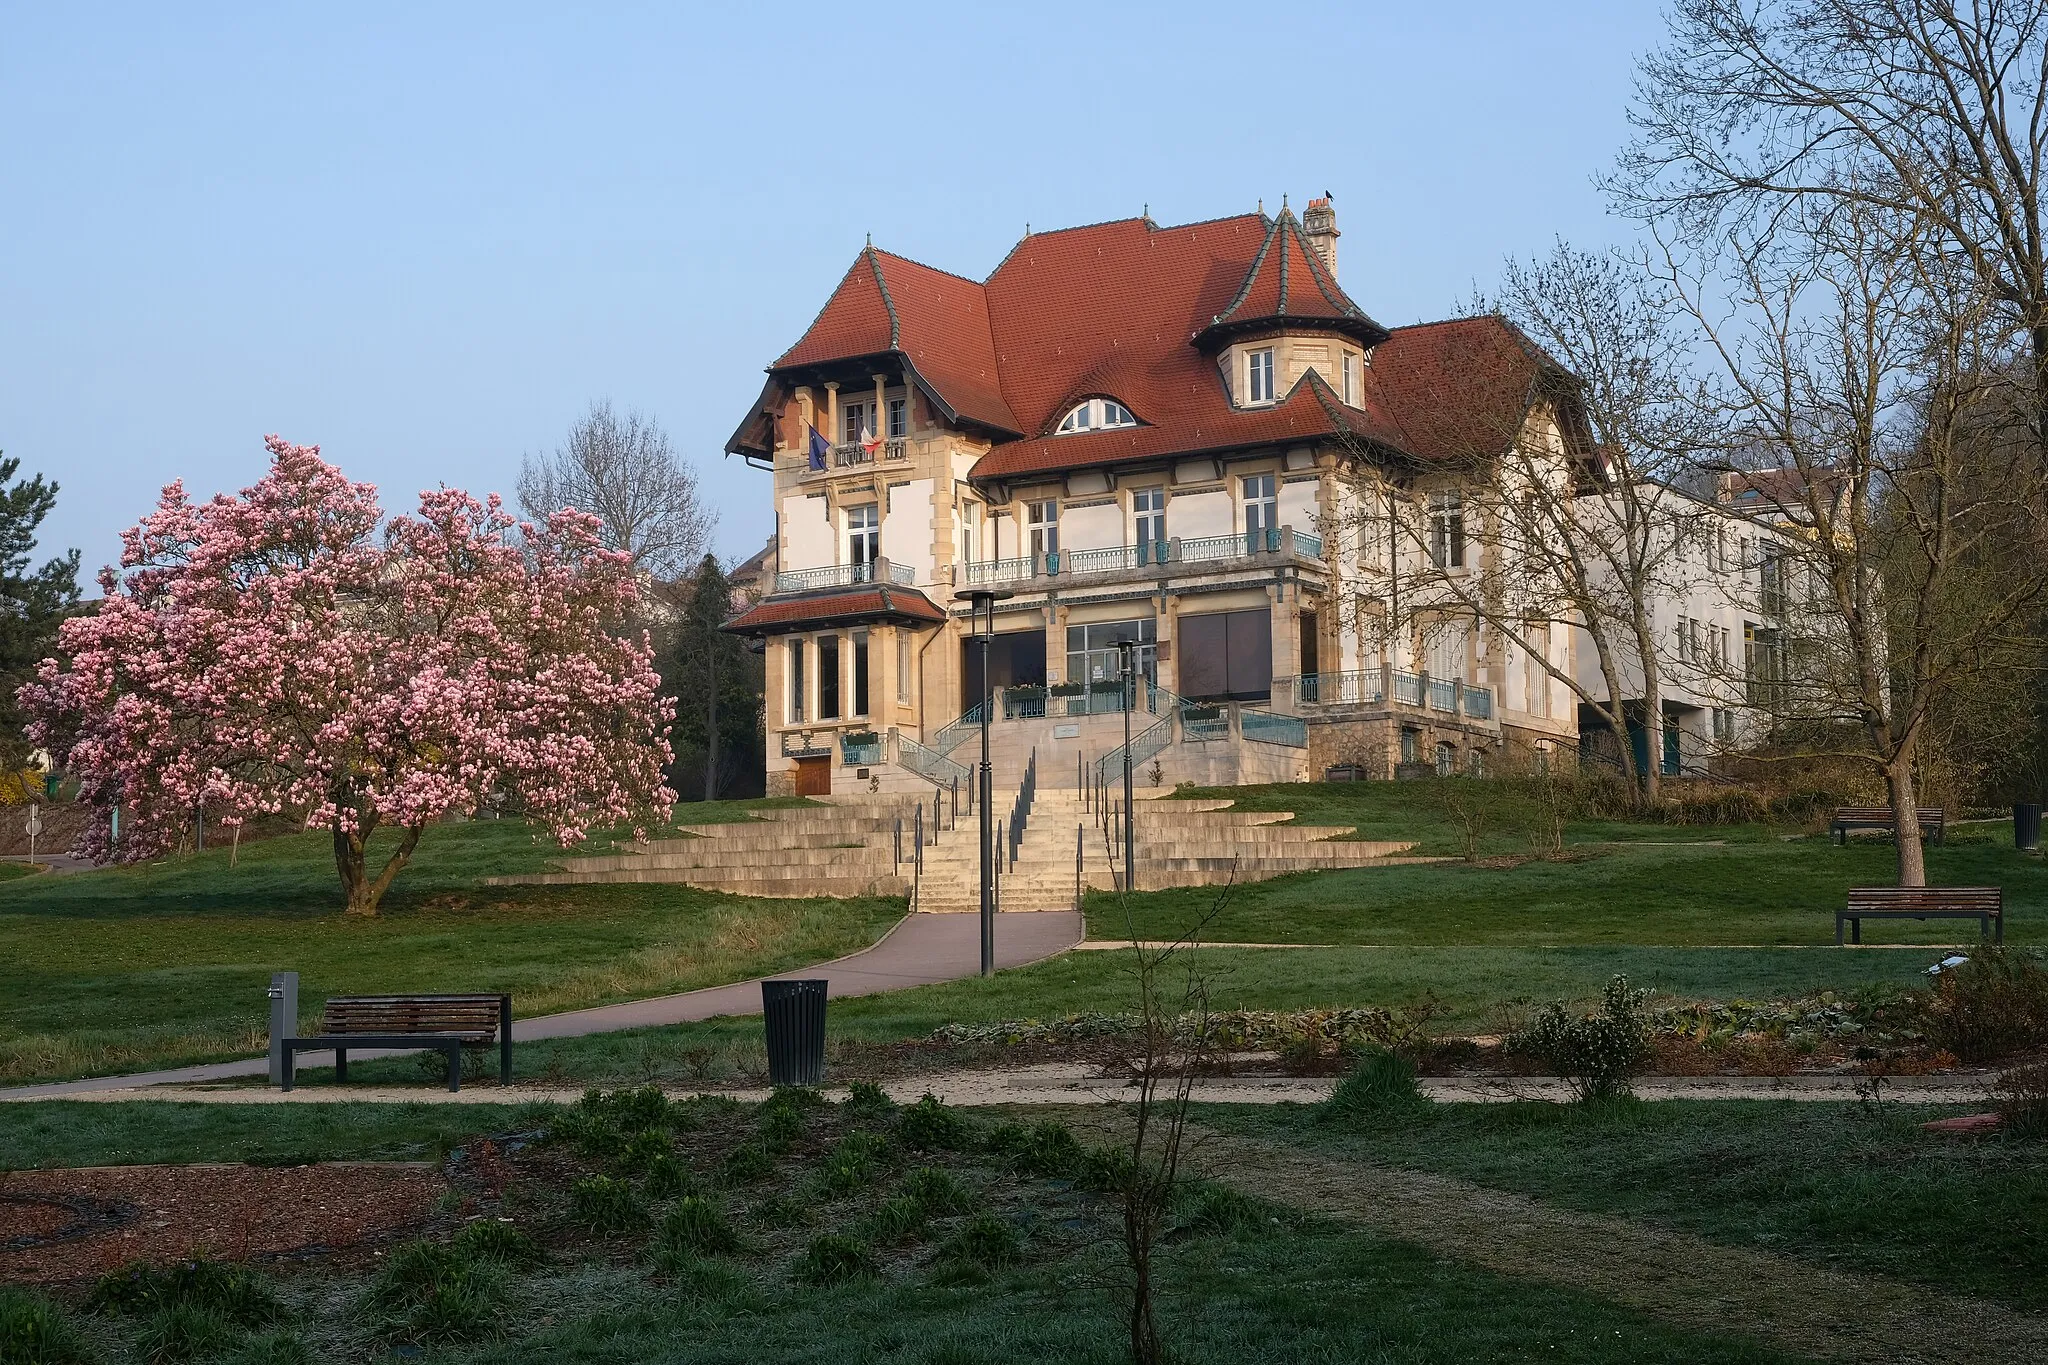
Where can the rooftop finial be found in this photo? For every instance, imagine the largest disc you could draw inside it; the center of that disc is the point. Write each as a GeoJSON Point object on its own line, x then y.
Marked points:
{"type": "Point", "coordinates": [1262, 206]}
{"type": "Point", "coordinates": [1283, 201]}
{"type": "Point", "coordinates": [871, 239]}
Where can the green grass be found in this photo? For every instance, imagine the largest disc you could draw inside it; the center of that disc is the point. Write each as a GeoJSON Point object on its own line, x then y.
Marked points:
{"type": "Point", "coordinates": [1832, 1183]}
{"type": "Point", "coordinates": [1470, 983]}
{"type": "Point", "coordinates": [1642, 884]}
{"type": "Point", "coordinates": [53, 1133]}
{"type": "Point", "coordinates": [10, 872]}
{"type": "Point", "coordinates": [167, 963]}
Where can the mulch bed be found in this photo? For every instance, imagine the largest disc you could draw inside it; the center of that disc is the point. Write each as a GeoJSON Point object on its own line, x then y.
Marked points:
{"type": "Point", "coordinates": [59, 1226]}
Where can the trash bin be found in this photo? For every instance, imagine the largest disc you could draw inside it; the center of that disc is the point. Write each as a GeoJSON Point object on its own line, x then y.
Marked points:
{"type": "Point", "coordinates": [2026, 825]}
{"type": "Point", "coordinates": [794, 1015]}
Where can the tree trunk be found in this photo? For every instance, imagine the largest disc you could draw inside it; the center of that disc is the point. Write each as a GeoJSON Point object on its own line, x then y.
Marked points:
{"type": "Point", "coordinates": [1653, 715]}
{"type": "Point", "coordinates": [363, 891]}
{"type": "Point", "coordinates": [1905, 799]}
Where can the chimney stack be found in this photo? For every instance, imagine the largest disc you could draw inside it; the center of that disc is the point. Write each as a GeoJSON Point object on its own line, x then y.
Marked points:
{"type": "Point", "coordinates": [1319, 226]}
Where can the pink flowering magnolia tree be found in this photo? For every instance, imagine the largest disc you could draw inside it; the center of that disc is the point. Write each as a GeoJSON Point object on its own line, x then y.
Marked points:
{"type": "Point", "coordinates": [287, 650]}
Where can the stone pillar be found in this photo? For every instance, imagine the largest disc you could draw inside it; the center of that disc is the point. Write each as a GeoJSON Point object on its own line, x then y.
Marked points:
{"type": "Point", "coordinates": [1055, 645]}
{"type": "Point", "coordinates": [1286, 630]}
{"type": "Point", "coordinates": [881, 406]}
{"type": "Point", "coordinates": [832, 412]}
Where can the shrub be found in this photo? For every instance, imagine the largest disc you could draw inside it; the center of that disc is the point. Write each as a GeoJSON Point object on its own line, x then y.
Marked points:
{"type": "Point", "coordinates": [853, 1161]}
{"type": "Point", "coordinates": [1205, 1208]}
{"type": "Point", "coordinates": [633, 1111]}
{"type": "Point", "coordinates": [1105, 1170]}
{"type": "Point", "coordinates": [2022, 1097]}
{"type": "Point", "coordinates": [938, 1192]}
{"type": "Point", "coordinates": [1044, 1149]}
{"type": "Point", "coordinates": [273, 1348]}
{"type": "Point", "coordinates": [929, 1125]}
{"type": "Point", "coordinates": [896, 1221]}
{"type": "Point", "coordinates": [235, 1293]}
{"type": "Point", "coordinates": [868, 1102]}
{"type": "Point", "coordinates": [490, 1241]}
{"type": "Point", "coordinates": [834, 1259]}
{"type": "Point", "coordinates": [1379, 1082]}
{"type": "Point", "coordinates": [666, 1177]}
{"type": "Point", "coordinates": [1992, 1006]}
{"type": "Point", "coordinates": [605, 1206]}
{"type": "Point", "coordinates": [697, 1226]}
{"type": "Point", "coordinates": [986, 1242]}
{"type": "Point", "coordinates": [642, 1151]}
{"type": "Point", "coordinates": [1596, 1053]}
{"type": "Point", "coordinates": [35, 1331]}
{"type": "Point", "coordinates": [801, 1098]}
{"type": "Point", "coordinates": [747, 1163]}
{"type": "Point", "coordinates": [781, 1126]}
{"type": "Point", "coordinates": [183, 1331]}
{"type": "Point", "coordinates": [430, 1292]}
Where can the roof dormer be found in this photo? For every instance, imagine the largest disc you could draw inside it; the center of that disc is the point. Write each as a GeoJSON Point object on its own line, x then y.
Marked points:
{"type": "Point", "coordinates": [1289, 287]}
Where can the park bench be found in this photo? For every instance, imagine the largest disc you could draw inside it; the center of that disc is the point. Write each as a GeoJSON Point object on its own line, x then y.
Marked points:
{"type": "Point", "coordinates": [1933, 820]}
{"type": "Point", "coordinates": [445, 1022]}
{"type": "Point", "coordinates": [1985, 904]}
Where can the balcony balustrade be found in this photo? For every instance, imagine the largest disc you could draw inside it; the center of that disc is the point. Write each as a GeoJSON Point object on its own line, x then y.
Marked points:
{"type": "Point", "coordinates": [845, 575]}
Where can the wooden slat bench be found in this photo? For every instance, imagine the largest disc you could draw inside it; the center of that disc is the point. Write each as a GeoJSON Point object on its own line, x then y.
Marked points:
{"type": "Point", "coordinates": [446, 1022]}
{"type": "Point", "coordinates": [1985, 904]}
{"type": "Point", "coordinates": [1933, 821]}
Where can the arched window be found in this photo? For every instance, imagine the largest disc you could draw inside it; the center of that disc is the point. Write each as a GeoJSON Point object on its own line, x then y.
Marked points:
{"type": "Point", "coordinates": [1096, 413]}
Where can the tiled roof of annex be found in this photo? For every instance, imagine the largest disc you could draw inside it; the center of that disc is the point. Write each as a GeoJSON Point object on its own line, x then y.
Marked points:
{"type": "Point", "coordinates": [1134, 311]}
{"type": "Point", "coordinates": [884, 602]}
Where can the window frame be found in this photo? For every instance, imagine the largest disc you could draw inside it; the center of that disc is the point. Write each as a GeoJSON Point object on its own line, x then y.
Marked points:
{"type": "Point", "coordinates": [898, 419]}
{"type": "Point", "coordinates": [1096, 414]}
{"type": "Point", "coordinates": [1446, 508]}
{"type": "Point", "coordinates": [1154, 512]}
{"type": "Point", "coordinates": [1259, 374]}
{"type": "Point", "coordinates": [1042, 525]}
{"type": "Point", "coordinates": [863, 543]}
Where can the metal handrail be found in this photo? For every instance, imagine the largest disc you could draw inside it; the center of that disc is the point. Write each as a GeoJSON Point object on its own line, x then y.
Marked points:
{"type": "Point", "coordinates": [1265, 727]}
{"type": "Point", "coordinates": [1353, 687]}
{"type": "Point", "coordinates": [1020, 813]}
{"type": "Point", "coordinates": [843, 575]}
{"type": "Point", "coordinates": [1000, 570]}
{"type": "Point", "coordinates": [949, 735]}
{"type": "Point", "coordinates": [1478, 702]}
{"type": "Point", "coordinates": [929, 764]}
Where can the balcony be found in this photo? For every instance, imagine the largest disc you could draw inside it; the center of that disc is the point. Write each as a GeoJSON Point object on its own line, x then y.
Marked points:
{"type": "Point", "coordinates": [1370, 686]}
{"type": "Point", "coordinates": [853, 453]}
{"type": "Point", "coordinates": [1147, 557]}
{"type": "Point", "coordinates": [844, 575]}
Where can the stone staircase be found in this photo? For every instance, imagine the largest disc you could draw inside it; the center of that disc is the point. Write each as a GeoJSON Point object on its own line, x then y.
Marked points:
{"type": "Point", "coordinates": [847, 846]}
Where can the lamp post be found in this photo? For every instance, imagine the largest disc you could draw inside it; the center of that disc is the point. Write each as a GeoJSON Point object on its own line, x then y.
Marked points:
{"type": "Point", "coordinates": [1126, 650]}
{"type": "Point", "coordinates": [982, 603]}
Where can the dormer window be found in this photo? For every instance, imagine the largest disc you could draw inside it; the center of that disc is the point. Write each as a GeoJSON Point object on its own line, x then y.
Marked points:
{"type": "Point", "coordinates": [1097, 412]}
{"type": "Point", "coordinates": [1260, 367]}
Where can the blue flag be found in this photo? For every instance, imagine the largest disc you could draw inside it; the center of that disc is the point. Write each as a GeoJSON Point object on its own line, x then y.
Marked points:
{"type": "Point", "coordinates": [819, 449]}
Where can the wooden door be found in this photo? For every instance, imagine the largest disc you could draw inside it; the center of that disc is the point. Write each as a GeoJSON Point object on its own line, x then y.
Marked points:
{"type": "Point", "coordinates": [814, 776]}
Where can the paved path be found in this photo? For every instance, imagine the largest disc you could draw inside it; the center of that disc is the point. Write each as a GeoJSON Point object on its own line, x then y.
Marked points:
{"type": "Point", "coordinates": [920, 951]}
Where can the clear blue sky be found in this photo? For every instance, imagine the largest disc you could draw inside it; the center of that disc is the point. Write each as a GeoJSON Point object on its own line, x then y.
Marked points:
{"type": "Point", "coordinates": [426, 236]}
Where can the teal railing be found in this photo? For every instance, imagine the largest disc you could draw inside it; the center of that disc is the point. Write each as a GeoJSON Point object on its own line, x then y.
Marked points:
{"type": "Point", "coordinates": [1264, 727]}
{"type": "Point", "coordinates": [953, 731]}
{"type": "Point", "coordinates": [930, 764]}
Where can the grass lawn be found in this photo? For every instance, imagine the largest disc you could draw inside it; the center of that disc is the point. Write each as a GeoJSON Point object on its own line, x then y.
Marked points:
{"type": "Point", "coordinates": [962, 1248]}
{"type": "Point", "coordinates": [1470, 983]}
{"type": "Point", "coordinates": [1638, 884]}
{"type": "Point", "coordinates": [10, 871]}
{"type": "Point", "coordinates": [1835, 1183]}
{"type": "Point", "coordinates": [53, 1133]}
{"type": "Point", "coordinates": [166, 963]}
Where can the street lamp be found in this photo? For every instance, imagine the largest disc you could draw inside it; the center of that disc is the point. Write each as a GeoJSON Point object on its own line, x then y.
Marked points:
{"type": "Point", "coordinates": [982, 602]}
{"type": "Point", "coordinates": [1126, 649]}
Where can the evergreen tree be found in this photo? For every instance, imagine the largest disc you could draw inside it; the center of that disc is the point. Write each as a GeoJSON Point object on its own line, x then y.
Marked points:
{"type": "Point", "coordinates": [31, 602]}
{"type": "Point", "coordinates": [716, 680]}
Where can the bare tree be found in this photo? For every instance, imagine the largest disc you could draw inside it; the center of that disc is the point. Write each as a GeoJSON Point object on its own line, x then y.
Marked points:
{"type": "Point", "coordinates": [1929, 110]}
{"type": "Point", "coordinates": [623, 471]}
{"type": "Point", "coordinates": [1857, 355]}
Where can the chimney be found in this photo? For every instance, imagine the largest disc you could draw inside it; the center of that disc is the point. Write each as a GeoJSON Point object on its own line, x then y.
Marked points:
{"type": "Point", "coordinates": [1319, 226]}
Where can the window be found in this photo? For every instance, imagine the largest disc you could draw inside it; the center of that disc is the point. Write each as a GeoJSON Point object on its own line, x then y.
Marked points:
{"type": "Point", "coordinates": [853, 423]}
{"type": "Point", "coordinates": [903, 666]}
{"type": "Point", "coordinates": [863, 536]}
{"type": "Point", "coordinates": [860, 673]}
{"type": "Point", "coordinates": [796, 681]}
{"type": "Point", "coordinates": [1261, 512]}
{"type": "Point", "coordinates": [1148, 506]}
{"type": "Point", "coordinates": [1092, 655]}
{"type": "Point", "coordinates": [1694, 630]}
{"type": "Point", "coordinates": [1044, 521]}
{"type": "Point", "coordinates": [1681, 638]}
{"type": "Point", "coordinates": [1259, 384]}
{"type": "Point", "coordinates": [1350, 378]}
{"type": "Point", "coordinates": [899, 418]}
{"type": "Point", "coordinates": [1771, 579]}
{"type": "Point", "coordinates": [1447, 530]}
{"type": "Point", "coordinates": [1446, 759]}
{"type": "Point", "coordinates": [970, 532]}
{"type": "Point", "coordinates": [1409, 740]}
{"type": "Point", "coordinates": [1097, 412]}
{"type": "Point", "coordinates": [828, 677]}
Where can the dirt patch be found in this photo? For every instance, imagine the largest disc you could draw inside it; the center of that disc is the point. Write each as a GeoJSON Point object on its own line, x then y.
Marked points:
{"type": "Point", "coordinates": [58, 1226]}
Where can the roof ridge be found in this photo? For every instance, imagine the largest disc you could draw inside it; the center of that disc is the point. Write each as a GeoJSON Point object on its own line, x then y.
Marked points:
{"type": "Point", "coordinates": [926, 265]}
{"type": "Point", "coordinates": [1318, 270]}
{"type": "Point", "coordinates": [823, 308]}
{"type": "Point", "coordinates": [1286, 217]}
{"type": "Point", "coordinates": [1250, 276]}
{"type": "Point", "coordinates": [895, 322]}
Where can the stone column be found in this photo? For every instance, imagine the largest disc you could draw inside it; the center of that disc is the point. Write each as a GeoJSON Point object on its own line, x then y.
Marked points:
{"type": "Point", "coordinates": [1286, 630]}
{"type": "Point", "coordinates": [881, 407]}
{"type": "Point", "coordinates": [832, 412]}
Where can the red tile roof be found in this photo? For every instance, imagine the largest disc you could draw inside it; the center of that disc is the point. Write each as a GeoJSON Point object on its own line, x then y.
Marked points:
{"type": "Point", "coordinates": [777, 615]}
{"type": "Point", "coordinates": [1131, 310]}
